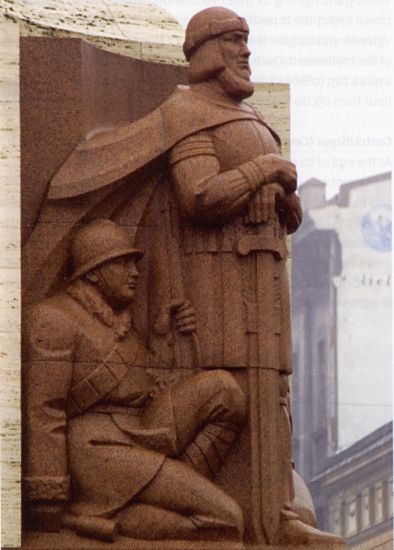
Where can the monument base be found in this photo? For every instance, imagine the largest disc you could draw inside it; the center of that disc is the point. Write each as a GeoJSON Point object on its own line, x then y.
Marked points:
{"type": "Point", "coordinates": [67, 540]}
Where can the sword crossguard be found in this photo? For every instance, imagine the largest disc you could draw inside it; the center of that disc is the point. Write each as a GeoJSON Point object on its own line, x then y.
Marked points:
{"type": "Point", "coordinates": [255, 243]}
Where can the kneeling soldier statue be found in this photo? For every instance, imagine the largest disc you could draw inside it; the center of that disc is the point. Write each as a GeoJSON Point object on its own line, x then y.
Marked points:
{"type": "Point", "coordinates": [107, 450]}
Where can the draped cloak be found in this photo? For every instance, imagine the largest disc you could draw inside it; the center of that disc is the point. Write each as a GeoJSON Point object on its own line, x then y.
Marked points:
{"type": "Point", "coordinates": [116, 166]}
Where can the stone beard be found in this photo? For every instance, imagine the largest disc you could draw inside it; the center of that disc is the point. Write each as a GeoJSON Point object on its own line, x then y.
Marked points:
{"type": "Point", "coordinates": [208, 65]}
{"type": "Point", "coordinates": [234, 85]}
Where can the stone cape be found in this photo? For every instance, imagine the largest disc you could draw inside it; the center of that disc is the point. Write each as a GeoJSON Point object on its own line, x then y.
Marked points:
{"type": "Point", "coordinates": [103, 171]}
{"type": "Point", "coordinates": [112, 155]}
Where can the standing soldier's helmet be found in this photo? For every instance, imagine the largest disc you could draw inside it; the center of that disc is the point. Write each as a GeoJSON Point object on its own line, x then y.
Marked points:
{"type": "Point", "coordinates": [98, 242]}
{"type": "Point", "coordinates": [201, 47]}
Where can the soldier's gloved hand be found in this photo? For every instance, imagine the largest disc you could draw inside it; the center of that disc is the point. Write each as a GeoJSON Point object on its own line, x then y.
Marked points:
{"type": "Point", "coordinates": [183, 313]}
{"type": "Point", "coordinates": [164, 381]}
{"type": "Point", "coordinates": [46, 516]}
{"type": "Point", "coordinates": [290, 211]}
{"type": "Point", "coordinates": [275, 168]}
{"type": "Point", "coordinates": [291, 204]}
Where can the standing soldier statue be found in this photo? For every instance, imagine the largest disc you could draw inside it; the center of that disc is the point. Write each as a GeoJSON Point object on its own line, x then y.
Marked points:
{"type": "Point", "coordinates": [222, 200]}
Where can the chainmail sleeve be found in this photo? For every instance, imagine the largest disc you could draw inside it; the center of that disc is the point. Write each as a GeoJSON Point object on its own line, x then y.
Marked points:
{"type": "Point", "coordinates": [204, 192]}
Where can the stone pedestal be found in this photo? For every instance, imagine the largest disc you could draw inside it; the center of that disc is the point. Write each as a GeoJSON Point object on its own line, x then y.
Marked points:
{"type": "Point", "coordinates": [69, 540]}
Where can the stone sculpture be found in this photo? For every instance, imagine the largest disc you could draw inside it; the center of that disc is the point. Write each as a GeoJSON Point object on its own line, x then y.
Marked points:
{"type": "Point", "coordinates": [216, 205]}
{"type": "Point", "coordinates": [96, 423]}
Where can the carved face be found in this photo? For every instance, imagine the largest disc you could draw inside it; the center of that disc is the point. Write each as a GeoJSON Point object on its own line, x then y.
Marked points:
{"type": "Point", "coordinates": [116, 280]}
{"type": "Point", "coordinates": [235, 52]}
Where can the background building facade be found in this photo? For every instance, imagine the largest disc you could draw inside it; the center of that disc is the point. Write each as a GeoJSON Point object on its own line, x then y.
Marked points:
{"type": "Point", "coordinates": [342, 387]}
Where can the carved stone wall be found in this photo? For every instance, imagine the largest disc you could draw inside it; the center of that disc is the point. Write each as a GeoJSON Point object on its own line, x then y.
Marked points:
{"type": "Point", "coordinates": [88, 73]}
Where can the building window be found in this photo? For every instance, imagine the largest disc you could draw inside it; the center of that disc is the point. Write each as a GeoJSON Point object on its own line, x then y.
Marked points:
{"type": "Point", "coordinates": [335, 519]}
{"type": "Point", "coordinates": [321, 353]}
{"type": "Point", "coordinates": [319, 447]}
{"type": "Point", "coordinates": [390, 498]}
{"type": "Point", "coordinates": [351, 517]}
{"type": "Point", "coordinates": [365, 509]}
{"type": "Point", "coordinates": [379, 503]}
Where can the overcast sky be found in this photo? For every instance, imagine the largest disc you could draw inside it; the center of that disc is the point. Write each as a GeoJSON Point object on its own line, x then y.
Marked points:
{"type": "Point", "coordinates": [337, 56]}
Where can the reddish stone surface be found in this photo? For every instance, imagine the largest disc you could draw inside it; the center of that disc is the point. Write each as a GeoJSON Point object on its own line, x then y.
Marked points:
{"type": "Point", "coordinates": [156, 397]}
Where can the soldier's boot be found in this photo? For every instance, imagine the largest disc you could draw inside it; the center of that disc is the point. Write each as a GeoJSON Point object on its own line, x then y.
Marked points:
{"type": "Point", "coordinates": [209, 448]}
{"type": "Point", "coordinates": [295, 533]}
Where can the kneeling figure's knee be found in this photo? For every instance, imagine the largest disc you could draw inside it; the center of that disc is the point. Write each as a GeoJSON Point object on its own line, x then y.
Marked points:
{"type": "Point", "coordinates": [223, 387]}
{"type": "Point", "coordinates": [232, 515]}
{"type": "Point", "coordinates": [233, 394]}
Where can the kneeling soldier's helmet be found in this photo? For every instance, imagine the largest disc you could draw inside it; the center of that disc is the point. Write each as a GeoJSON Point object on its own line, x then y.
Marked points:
{"type": "Point", "coordinates": [98, 242]}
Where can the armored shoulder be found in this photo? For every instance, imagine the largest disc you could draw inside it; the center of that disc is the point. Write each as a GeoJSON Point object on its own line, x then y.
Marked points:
{"type": "Point", "coordinates": [199, 144]}
{"type": "Point", "coordinates": [267, 124]}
